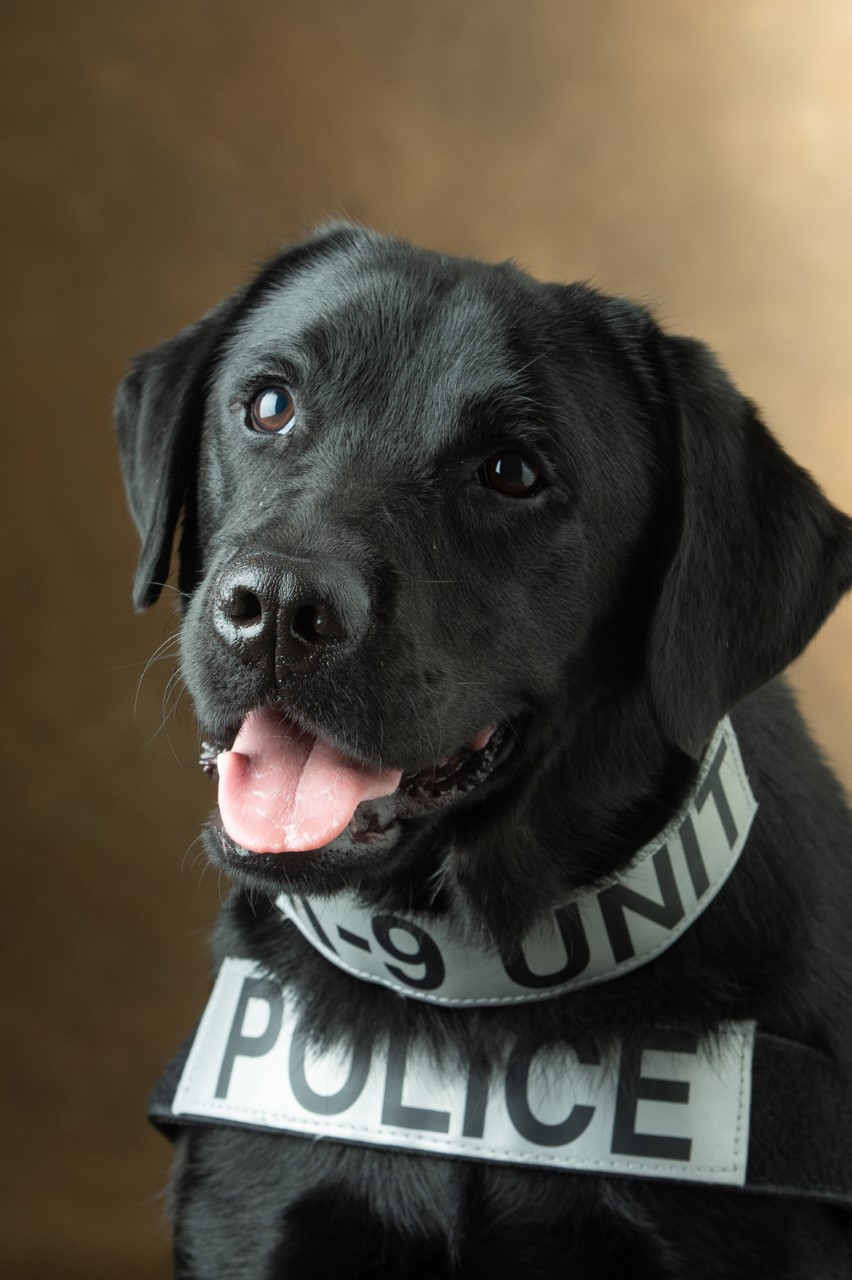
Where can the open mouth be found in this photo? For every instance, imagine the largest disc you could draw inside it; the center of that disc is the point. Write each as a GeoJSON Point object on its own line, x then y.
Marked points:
{"type": "Point", "coordinates": [284, 790]}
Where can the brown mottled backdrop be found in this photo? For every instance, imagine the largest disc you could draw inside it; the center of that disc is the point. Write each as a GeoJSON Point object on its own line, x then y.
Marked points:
{"type": "Point", "coordinates": [697, 156]}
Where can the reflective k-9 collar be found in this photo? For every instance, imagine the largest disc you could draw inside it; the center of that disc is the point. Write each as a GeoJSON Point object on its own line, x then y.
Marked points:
{"type": "Point", "coordinates": [597, 934]}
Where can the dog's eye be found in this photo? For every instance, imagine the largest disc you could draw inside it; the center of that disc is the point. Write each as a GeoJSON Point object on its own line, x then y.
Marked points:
{"type": "Point", "coordinates": [511, 473]}
{"type": "Point", "coordinates": [273, 411]}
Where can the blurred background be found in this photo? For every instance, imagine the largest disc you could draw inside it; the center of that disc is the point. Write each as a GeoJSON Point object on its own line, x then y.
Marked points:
{"type": "Point", "coordinates": [695, 156]}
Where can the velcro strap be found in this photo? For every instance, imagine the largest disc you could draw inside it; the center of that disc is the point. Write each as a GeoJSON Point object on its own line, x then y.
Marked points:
{"type": "Point", "coordinates": [800, 1140]}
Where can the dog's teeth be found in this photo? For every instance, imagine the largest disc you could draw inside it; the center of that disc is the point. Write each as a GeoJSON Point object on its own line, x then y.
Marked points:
{"type": "Point", "coordinates": [483, 737]}
{"type": "Point", "coordinates": [207, 758]}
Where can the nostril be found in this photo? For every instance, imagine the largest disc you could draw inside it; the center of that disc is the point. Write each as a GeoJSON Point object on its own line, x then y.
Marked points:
{"type": "Point", "coordinates": [313, 623]}
{"type": "Point", "coordinates": [243, 607]}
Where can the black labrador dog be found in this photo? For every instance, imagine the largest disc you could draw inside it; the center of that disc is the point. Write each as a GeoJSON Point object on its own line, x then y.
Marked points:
{"type": "Point", "coordinates": [538, 961]}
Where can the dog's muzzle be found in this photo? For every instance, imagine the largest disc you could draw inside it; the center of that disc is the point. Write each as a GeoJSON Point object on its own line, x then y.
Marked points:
{"type": "Point", "coordinates": [285, 784]}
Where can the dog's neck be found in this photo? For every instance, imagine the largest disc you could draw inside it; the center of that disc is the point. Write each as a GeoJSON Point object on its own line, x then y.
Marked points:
{"type": "Point", "coordinates": [596, 933]}
{"type": "Point", "coordinates": [601, 787]}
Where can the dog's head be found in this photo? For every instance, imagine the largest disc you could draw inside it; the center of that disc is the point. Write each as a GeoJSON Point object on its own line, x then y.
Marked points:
{"type": "Point", "coordinates": [457, 546]}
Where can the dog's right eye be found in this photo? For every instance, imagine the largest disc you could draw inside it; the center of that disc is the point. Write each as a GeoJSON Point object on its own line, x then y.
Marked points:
{"type": "Point", "coordinates": [512, 473]}
{"type": "Point", "coordinates": [273, 411]}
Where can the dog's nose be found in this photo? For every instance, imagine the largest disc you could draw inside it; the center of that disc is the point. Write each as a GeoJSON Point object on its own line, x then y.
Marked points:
{"type": "Point", "coordinates": [286, 614]}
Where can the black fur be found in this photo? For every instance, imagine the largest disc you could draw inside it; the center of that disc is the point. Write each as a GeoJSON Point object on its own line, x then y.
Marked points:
{"type": "Point", "coordinates": [674, 561]}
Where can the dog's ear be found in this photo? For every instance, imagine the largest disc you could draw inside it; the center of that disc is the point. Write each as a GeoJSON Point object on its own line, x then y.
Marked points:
{"type": "Point", "coordinates": [758, 556]}
{"type": "Point", "coordinates": [159, 409]}
{"type": "Point", "coordinates": [158, 412]}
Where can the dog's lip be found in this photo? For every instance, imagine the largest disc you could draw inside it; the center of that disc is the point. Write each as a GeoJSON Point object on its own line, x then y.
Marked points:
{"type": "Point", "coordinates": [375, 823]}
{"type": "Point", "coordinates": [344, 856]}
{"type": "Point", "coordinates": [455, 775]}
{"type": "Point", "coordinates": [483, 745]}
{"type": "Point", "coordinates": [215, 742]}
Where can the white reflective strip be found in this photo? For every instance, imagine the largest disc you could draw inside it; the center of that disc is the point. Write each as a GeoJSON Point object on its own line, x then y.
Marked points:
{"type": "Point", "coordinates": [671, 1110]}
{"type": "Point", "coordinates": [597, 935]}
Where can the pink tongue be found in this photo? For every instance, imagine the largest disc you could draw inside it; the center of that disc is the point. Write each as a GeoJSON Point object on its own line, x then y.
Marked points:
{"type": "Point", "coordinates": [280, 790]}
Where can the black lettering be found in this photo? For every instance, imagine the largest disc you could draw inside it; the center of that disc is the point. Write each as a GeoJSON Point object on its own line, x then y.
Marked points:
{"type": "Point", "coordinates": [318, 929]}
{"type": "Point", "coordinates": [632, 1086]}
{"type": "Point", "coordinates": [618, 899]}
{"type": "Point", "coordinates": [326, 1104]}
{"type": "Point", "coordinates": [243, 1046]}
{"type": "Point", "coordinates": [394, 1110]}
{"type": "Point", "coordinates": [354, 939]}
{"type": "Point", "coordinates": [518, 1107]}
{"type": "Point", "coordinates": [427, 952]}
{"type": "Point", "coordinates": [694, 861]}
{"type": "Point", "coordinates": [570, 925]}
{"type": "Point", "coordinates": [712, 785]}
{"type": "Point", "coordinates": [476, 1100]}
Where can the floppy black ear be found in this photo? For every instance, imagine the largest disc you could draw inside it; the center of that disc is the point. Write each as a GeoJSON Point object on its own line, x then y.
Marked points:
{"type": "Point", "coordinates": [159, 408]}
{"type": "Point", "coordinates": [759, 557]}
{"type": "Point", "coordinates": [158, 412]}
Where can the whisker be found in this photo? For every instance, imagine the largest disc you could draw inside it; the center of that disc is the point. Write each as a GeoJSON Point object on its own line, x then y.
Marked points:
{"type": "Point", "coordinates": [163, 728]}
{"type": "Point", "coordinates": [440, 582]}
{"type": "Point", "coordinates": [169, 586]}
{"type": "Point", "coordinates": [175, 682]}
{"type": "Point", "coordinates": [189, 848]}
{"type": "Point", "coordinates": [144, 662]}
{"type": "Point", "coordinates": [534, 360]}
{"type": "Point", "coordinates": [166, 649]}
{"type": "Point", "coordinates": [417, 718]}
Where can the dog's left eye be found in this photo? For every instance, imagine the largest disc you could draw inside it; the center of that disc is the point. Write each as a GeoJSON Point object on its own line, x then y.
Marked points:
{"type": "Point", "coordinates": [273, 411]}
{"type": "Point", "coordinates": [512, 473]}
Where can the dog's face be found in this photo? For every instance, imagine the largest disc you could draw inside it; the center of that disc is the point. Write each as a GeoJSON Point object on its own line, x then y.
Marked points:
{"type": "Point", "coordinates": [396, 541]}
{"type": "Point", "coordinates": [448, 531]}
